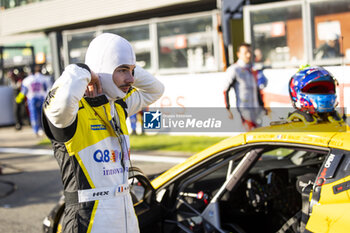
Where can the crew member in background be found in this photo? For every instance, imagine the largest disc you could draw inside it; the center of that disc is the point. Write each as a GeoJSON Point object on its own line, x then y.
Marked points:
{"type": "Point", "coordinates": [16, 84]}
{"type": "Point", "coordinates": [35, 88]}
{"type": "Point", "coordinates": [90, 137]}
{"type": "Point", "coordinates": [330, 48]}
{"type": "Point", "coordinates": [240, 78]}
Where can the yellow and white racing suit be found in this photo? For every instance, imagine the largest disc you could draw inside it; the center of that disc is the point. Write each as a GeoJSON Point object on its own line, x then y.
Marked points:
{"type": "Point", "coordinates": [91, 144]}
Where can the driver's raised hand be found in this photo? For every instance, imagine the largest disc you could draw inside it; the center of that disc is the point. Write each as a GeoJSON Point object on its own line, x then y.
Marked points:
{"type": "Point", "coordinates": [94, 87]}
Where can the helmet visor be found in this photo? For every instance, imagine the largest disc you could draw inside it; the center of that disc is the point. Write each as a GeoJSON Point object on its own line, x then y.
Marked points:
{"type": "Point", "coordinates": [323, 103]}
{"type": "Point", "coordinates": [319, 87]}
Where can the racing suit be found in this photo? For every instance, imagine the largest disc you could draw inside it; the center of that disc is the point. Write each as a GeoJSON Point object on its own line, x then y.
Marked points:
{"type": "Point", "coordinates": [91, 144]}
{"type": "Point", "coordinates": [35, 88]}
{"type": "Point", "coordinates": [248, 102]}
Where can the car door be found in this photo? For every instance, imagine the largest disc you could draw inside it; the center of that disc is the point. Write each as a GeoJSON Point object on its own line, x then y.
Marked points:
{"type": "Point", "coordinates": [330, 203]}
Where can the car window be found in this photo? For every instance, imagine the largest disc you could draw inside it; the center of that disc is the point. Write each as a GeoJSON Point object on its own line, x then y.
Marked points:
{"type": "Point", "coordinates": [280, 152]}
{"type": "Point", "coordinates": [209, 183]}
{"type": "Point", "coordinates": [203, 183]}
{"type": "Point", "coordinates": [267, 193]}
{"type": "Point", "coordinates": [296, 156]}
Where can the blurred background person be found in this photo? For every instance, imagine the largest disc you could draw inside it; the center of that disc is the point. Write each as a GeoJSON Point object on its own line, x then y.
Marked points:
{"type": "Point", "coordinates": [134, 119]}
{"type": "Point", "coordinates": [133, 124]}
{"type": "Point", "coordinates": [15, 81]}
{"type": "Point", "coordinates": [258, 56]}
{"type": "Point", "coordinates": [240, 78]}
{"type": "Point", "coordinates": [329, 49]}
{"type": "Point", "coordinates": [258, 69]}
{"type": "Point", "coordinates": [35, 88]}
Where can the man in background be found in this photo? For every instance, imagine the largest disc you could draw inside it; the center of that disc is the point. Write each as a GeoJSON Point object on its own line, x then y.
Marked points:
{"type": "Point", "coordinates": [15, 81]}
{"type": "Point", "coordinates": [240, 78]}
{"type": "Point", "coordinates": [35, 88]}
{"type": "Point", "coordinates": [329, 49]}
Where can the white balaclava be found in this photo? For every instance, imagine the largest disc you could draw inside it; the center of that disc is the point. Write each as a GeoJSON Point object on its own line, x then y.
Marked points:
{"type": "Point", "coordinates": [105, 53]}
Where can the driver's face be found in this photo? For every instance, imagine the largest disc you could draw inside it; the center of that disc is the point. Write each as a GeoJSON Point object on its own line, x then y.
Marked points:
{"type": "Point", "coordinates": [123, 78]}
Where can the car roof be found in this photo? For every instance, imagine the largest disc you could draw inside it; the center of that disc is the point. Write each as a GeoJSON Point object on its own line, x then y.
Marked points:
{"type": "Point", "coordinates": [334, 135]}
{"type": "Point", "coordinates": [298, 132]}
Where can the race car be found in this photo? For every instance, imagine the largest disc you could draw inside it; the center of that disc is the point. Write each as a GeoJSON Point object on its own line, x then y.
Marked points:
{"type": "Point", "coordinates": [288, 177]}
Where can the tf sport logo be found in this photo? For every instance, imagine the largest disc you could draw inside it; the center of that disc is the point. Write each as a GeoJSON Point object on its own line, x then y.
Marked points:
{"type": "Point", "coordinates": [152, 120]}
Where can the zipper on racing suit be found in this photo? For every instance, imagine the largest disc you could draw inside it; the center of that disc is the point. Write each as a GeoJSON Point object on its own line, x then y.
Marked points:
{"type": "Point", "coordinates": [115, 122]}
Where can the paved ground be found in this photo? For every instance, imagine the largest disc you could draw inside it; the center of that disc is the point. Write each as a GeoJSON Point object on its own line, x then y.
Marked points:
{"type": "Point", "coordinates": [29, 184]}
{"type": "Point", "coordinates": [9, 137]}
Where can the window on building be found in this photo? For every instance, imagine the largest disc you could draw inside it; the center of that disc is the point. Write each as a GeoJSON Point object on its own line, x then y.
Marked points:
{"type": "Point", "coordinates": [5, 4]}
{"type": "Point", "coordinates": [161, 46]}
{"type": "Point", "coordinates": [278, 33]}
{"type": "Point", "coordinates": [330, 30]}
{"type": "Point", "coordinates": [139, 37]}
{"type": "Point", "coordinates": [186, 44]}
{"type": "Point", "coordinates": [77, 46]}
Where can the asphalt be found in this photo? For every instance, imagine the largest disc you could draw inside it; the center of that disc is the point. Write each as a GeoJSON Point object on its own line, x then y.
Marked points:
{"type": "Point", "coordinates": [24, 138]}
{"type": "Point", "coordinates": [17, 139]}
{"type": "Point", "coordinates": [30, 184]}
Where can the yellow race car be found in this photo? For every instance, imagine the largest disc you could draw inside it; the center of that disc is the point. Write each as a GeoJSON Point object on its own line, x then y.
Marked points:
{"type": "Point", "coordinates": [289, 177]}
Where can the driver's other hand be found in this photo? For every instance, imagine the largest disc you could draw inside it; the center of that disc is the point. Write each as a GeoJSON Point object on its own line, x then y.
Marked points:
{"type": "Point", "coordinates": [230, 115]}
{"type": "Point", "coordinates": [267, 111]}
{"type": "Point", "coordinates": [94, 87]}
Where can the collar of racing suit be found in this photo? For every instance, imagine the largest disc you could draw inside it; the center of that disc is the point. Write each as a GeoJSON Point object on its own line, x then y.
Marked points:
{"type": "Point", "coordinates": [96, 101]}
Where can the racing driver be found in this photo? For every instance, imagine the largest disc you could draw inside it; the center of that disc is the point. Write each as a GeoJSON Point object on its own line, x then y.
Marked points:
{"type": "Point", "coordinates": [85, 118]}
